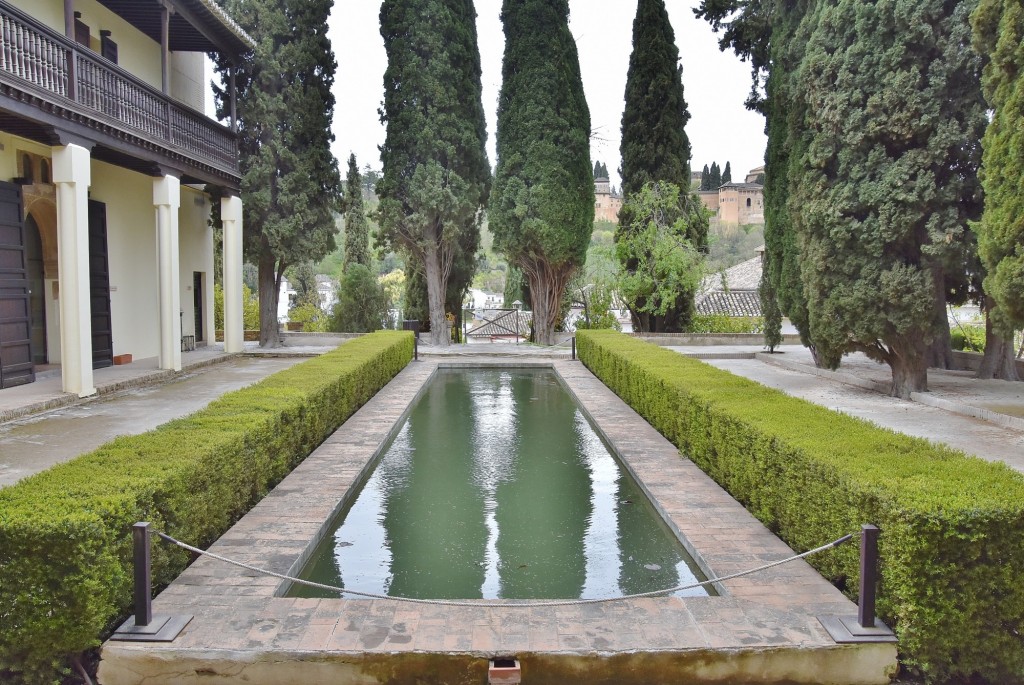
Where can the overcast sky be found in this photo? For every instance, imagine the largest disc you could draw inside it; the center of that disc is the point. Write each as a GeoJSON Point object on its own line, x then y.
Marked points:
{"type": "Point", "coordinates": [715, 83]}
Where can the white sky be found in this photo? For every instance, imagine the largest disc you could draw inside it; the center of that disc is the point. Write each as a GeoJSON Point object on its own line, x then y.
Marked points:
{"type": "Point", "coordinates": [715, 83]}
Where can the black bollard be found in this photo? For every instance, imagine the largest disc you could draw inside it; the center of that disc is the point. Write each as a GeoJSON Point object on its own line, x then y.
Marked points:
{"type": "Point", "coordinates": [143, 574]}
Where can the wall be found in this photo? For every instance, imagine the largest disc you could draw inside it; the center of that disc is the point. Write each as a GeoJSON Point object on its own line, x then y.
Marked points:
{"type": "Point", "coordinates": [195, 240]}
{"type": "Point", "coordinates": [188, 83]}
{"type": "Point", "coordinates": [131, 240]}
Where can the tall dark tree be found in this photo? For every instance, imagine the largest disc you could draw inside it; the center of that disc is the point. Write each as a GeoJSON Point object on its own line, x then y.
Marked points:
{"type": "Point", "coordinates": [290, 181]}
{"type": "Point", "coordinates": [705, 178]}
{"type": "Point", "coordinates": [999, 35]}
{"type": "Point", "coordinates": [357, 228]}
{"type": "Point", "coordinates": [542, 207]}
{"type": "Point", "coordinates": [727, 174]}
{"type": "Point", "coordinates": [655, 148]}
{"type": "Point", "coordinates": [600, 169]}
{"type": "Point", "coordinates": [436, 175]}
{"type": "Point", "coordinates": [886, 178]}
{"type": "Point", "coordinates": [715, 178]}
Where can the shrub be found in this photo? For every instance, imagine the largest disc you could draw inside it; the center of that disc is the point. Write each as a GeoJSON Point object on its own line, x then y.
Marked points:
{"type": "Point", "coordinates": [65, 540]}
{"type": "Point", "coordinates": [970, 338]}
{"type": "Point", "coordinates": [362, 304]}
{"type": "Point", "coordinates": [952, 542]}
{"type": "Point", "coordinates": [720, 323]}
{"type": "Point", "coordinates": [250, 308]}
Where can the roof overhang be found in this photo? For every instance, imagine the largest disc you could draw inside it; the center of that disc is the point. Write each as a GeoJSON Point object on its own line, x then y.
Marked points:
{"type": "Point", "coordinates": [196, 25]}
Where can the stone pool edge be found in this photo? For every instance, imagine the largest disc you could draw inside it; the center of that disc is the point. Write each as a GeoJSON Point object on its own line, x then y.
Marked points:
{"type": "Point", "coordinates": [763, 628]}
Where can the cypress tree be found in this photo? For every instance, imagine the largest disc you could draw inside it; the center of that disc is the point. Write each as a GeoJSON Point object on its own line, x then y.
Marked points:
{"type": "Point", "coordinates": [290, 180]}
{"type": "Point", "coordinates": [999, 35]}
{"type": "Point", "coordinates": [715, 179]}
{"type": "Point", "coordinates": [436, 175]}
{"type": "Point", "coordinates": [542, 207]}
{"type": "Point", "coordinates": [357, 228]}
{"type": "Point", "coordinates": [655, 148]}
{"type": "Point", "coordinates": [727, 174]}
{"type": "Point", "coordinates": [886, 177]}
{"type": "Point", "coordinates": [705, 178]}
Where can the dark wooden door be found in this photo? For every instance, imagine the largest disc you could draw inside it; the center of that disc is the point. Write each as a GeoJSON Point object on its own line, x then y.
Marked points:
{"type": "Point", "coordinates": [16, 366]}
{"type": "Point", "coordinates": [197, 300]}
{"type": "Point", "coordinates": [99, 287]}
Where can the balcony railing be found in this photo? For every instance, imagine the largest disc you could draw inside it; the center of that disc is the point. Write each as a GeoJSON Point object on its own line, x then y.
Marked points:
{"type": "Point", "coordinates": [61, 68]}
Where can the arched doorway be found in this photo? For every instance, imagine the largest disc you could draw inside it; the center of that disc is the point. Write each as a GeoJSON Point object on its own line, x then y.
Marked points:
{"type": "Point", "coordinates": [36, 289]}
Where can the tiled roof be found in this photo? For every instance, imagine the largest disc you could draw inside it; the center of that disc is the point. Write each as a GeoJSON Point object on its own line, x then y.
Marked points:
{"type": "Point", "coordinates": [732, 303]}
{"type": "Point", "coordinates": [744, 276]}
{"type": "Point", "coordinates": [504, 323]}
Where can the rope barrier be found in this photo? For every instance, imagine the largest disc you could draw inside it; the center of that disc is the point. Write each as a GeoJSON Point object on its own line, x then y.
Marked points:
{"type": "Point", "coordinates": [479, 603]}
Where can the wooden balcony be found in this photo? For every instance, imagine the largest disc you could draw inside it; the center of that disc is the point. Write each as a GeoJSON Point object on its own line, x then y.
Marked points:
{"type": "Point", "coordinates": [47, 77]}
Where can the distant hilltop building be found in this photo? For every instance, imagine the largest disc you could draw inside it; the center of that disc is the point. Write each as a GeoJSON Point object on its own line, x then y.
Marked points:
{"type": "Point", "coordinates": [737, 203]}
{"type": "Point", "coordinates": [607, 202]}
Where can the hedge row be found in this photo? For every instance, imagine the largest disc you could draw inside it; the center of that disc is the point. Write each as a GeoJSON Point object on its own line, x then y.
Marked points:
{"type": "Point", "coordinates": [952, 542]}
{"type": "Point", "coordinates": [65, 534]}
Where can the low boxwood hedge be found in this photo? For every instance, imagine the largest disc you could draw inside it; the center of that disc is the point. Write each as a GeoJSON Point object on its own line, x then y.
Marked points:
{"type": "Point", "coordinates": [952, 543]}
{"type": "Point", "coordinates": [65, 533]}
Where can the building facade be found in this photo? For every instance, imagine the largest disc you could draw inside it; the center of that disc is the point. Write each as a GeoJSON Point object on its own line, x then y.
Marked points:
{"type": "Point", "coordinates": [606, 203]}
{"type": "Point", "coordinates": [105, 163]}
{"type": "Point", "coordinates": [738, 204]}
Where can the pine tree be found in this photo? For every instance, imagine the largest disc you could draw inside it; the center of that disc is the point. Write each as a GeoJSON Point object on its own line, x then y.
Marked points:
{"type": "Point", "coordinates": [290, 181]}
{"type": "Point", "coordinates": [542, 207]}
{"type": "Point", "coordinates": [655, 148]}
{"type": "Point", "coordinates": [705, 178]}
{"type": "Point", "coordinates": [999, 35]}
{"type": "Point", "coordinates": [886, 177]}
{"type": "Point", "coordinates": [727, 174]}
{"type": "Point", "coordinates": [357, 228]}
{"type": "Point", "coordinates": [436, 174]}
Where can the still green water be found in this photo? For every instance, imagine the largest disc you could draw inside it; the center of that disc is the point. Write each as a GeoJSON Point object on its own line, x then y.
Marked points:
{"type": "Point", "coordinates": [497, 486]}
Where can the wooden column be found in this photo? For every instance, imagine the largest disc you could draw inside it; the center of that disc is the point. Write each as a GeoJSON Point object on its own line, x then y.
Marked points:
{"type": "Point", "coordinates": [69, 19]}
{"type": "Point", "coordinates": [165, 50]}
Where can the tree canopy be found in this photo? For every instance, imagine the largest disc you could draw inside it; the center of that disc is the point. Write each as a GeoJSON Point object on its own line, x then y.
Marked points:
{"type": "Point", "coordinates": [656, 150]}
{"type": "Point", "coordinates": [357, 228]}
{"type": "Point", "coordinates": [436, 175]}
{"type": "Point", "coordinates": [542, 206]}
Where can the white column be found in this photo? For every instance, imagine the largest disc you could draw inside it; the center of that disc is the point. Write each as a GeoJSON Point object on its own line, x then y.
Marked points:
{"type": "Point", "coordinates": [167, 200]}
{"type": "Point", "coordinates": [72, 175]}
{"type": "Point", "coordinates": [231, 220]}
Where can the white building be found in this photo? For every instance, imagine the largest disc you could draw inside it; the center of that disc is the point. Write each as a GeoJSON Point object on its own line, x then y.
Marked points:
{"type": "Point", "coordinates": [105, 247]}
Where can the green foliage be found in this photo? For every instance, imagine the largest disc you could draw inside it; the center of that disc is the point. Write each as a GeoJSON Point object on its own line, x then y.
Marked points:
{"type": "Point", "coordinates": [715, 177]}
{"type": "Point", "coordinates": [664, 268]}
{"type": "Point", "coordinates": [65, 533]}
{"type": "Point", "coordinates": [542, 207]}
{"type": "Point", "coordinates": [969, 338]}
{"type": "Point", "coordinates": [362, 304]}
{"type": "Point", "coordinates": [250, 308]}
{"type": "Point", "coordinates": [771, 313]}
{"type": "Point", "coordinates": [357, 227]}
{"type": "Point", "coordinates": [655, 149]}
{"type": "Point", "coordinates": [312, 317]}
{"type": "Point", "coordinates": [600, 170]}
{"type": "Point", "coordinates": [727, 174]}
{"type": "Point", "coordinates": [999, 36]}
{"type": "Point", "coordinates": [302, 277]}
{"type": "Point", "coordinates": [731, 244]}
{"type": "Point", "coordinates": [705, 178]}
{"type": "Point", "coordinates": [880, 195]}
{"type": "Point", "coordinates": [952, 543]}
{"type": "Point", "coordinates": [436, 174]}
{"type": "Point", "coordinates": [290, 180]}
{"type": "Point", "coordinates": [720, 323]}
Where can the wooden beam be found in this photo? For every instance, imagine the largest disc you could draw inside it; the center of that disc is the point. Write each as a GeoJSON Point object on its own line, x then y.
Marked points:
{"type": "Point", "coordinates": [165, 42]}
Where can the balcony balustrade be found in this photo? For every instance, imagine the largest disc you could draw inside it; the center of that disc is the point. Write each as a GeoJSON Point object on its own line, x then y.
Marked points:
{"type": "Point", "coordinates": [34, 57]}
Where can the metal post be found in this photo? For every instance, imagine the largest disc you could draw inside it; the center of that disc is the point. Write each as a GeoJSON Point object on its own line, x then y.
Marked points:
{"type": "Point", "coordinates": [868, 575]}
{"type": "Point", "coordinates": [416, 348]}
{"type": "Point", "coordinates": [143, 575]}
{"type": "Point", "coordinates": [574, 348]}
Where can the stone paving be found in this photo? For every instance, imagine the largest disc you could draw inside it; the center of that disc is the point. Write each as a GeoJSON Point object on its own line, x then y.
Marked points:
{"type": "Point", "coordinates": [762, 628]}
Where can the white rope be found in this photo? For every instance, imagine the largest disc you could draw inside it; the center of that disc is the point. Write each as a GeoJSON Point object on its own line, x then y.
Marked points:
{"type": "Point", "coordinates": [483, 603]}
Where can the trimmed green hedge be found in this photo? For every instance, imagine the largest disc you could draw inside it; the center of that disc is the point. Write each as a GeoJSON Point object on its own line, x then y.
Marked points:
{"type": "Point", "coordinates": [65, 540]}
{"type": "Point", "coordinates": [952, 542]}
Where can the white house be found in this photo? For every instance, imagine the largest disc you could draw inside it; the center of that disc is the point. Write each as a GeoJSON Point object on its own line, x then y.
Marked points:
{"type": "Point", "coordinates": [105, 247]}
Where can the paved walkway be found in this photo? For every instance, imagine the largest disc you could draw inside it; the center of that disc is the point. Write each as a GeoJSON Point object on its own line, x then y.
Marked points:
{"type": "Point", "coordinates": [858, 388]}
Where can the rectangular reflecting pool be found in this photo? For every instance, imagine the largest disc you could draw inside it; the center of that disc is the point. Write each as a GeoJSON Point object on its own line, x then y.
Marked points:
{"type": "Point", "coordinates": [497, 486]}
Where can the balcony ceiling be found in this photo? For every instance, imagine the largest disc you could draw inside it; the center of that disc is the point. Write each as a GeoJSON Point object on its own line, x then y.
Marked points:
{"type": "Point", "coordinates": [196, 25]}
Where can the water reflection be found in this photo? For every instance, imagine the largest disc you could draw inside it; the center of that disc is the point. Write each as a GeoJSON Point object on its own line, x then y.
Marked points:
{"type": "Point", "coordinates": [498, 487]}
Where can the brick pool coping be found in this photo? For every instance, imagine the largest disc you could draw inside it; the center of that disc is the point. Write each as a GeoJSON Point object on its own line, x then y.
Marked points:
{"type": "Point", "coordinates": [763, 628]}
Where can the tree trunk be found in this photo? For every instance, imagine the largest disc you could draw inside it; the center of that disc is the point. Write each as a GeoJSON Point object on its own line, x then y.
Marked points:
{"type": "Point", "coordinates": [940, 352]}
{"type": "Point", "coordinates": [270, 288]}
{"type": "Point", "coordinates": [999, 360]}
{"type": "Point", "coordinates": [440, 335]}
{"type": "Point", "coordinates": [909, 364]}
{"type": "Point", "coordinates": [547, 285]}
